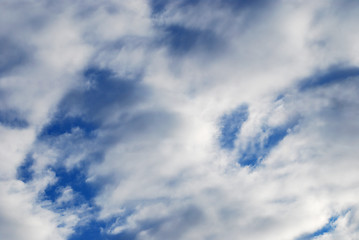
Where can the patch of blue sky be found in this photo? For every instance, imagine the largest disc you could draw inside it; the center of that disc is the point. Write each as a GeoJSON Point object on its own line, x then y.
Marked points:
{"type": "Point", "coordinates": [59, 126]}
{"type": "Point", "coordinates": [82, 191]}
{"type": "Point", "coordinates": [11, 118]}
{"type": "Point", "coordinates": [182, 40]}
{"type": "Point", "coordinates": [327, 228]}
{"type": "Point", "coordinates": [87, 110]}
{"type": "Point", "coordinates": [110, 97]}
{"type": "Point", "coordinates": [230, 126]}
{"type": "Point", "coordinates": [76, 178]}
{"type": "Point", "coordinates": [84, 110]}
{"type": "Point", "coordinates": [92, 230]}
{"type": "Point", "coordinates": [158, 6]}
{"type": "Point", "coordinates": [24, 171]}
{"type": "Point", "coordinates": [337, 73]}
{"type": "Point", "coordinates": [260, 148]}
{"type": "Point", "coordinates": [101, 229]}
{"type": "Point", "coordinates": [97, 230]}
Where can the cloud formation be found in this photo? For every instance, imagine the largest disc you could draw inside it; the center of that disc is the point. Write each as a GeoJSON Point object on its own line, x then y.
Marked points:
{"type": "Point", "coordinates": [179, 120]}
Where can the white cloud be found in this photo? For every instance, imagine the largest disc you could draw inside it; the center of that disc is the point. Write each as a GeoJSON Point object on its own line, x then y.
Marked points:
{"type": "Point", "coordinates": [162, 172]}
{"type": "Point", "coordinates": [21, 218]}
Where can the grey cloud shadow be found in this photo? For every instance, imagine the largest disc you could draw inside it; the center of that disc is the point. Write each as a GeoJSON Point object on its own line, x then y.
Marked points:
{"type": "Point", "coordinates": [12, 119]}
{"type": "Point", "coordinates": [173, 226]}
{"type": "Point", "coordinates": [12, 55]}
{"type": "Point", "coordinates": [182, 41]}
{"type": "Point", "coordinates": [82, 119]}
{"type": "Point", "coordinates": [158, 6]}
{"type": "Point", "coordinates": [110, 97]}
{"type": "Point", "coordinates": [105, 93]}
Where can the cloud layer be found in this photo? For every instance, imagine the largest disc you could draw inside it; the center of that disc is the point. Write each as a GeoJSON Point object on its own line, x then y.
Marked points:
{"type": "Point", "coordinates": [179, 120]}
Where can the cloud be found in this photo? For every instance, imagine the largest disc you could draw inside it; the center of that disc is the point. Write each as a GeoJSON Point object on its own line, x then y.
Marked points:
{"type": "Point", "coordinates": [22, 219]}
{"type": "Point", "coordinates": [179, 120]}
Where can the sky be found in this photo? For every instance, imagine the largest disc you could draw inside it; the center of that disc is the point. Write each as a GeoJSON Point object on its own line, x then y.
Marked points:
{"type": "Point", "coordinates": [179, 119]}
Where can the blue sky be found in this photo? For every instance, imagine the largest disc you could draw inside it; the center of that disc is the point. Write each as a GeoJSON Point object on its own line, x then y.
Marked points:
{"type": "Point", "coordinates": [182, 120]}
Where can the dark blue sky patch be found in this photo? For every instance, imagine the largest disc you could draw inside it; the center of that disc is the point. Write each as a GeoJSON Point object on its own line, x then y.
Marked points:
{"type": "Point", "coordinates": [259, 149]}
{"type": "Point", "coordinates": [92, 230]}
{"type": "Point", "coordinates": [96, 230]}
{"type": "Point", "coordinates": [331, 75]}
{"type": "Point", "coordinates": [230, 126]}
{"type": "Point", "coordinates": [11, 118]}
{"type": "Point", "coordinates": [24, 171]}
{"type": "Point", "coordinates": [327, 228]}
{"type": "Point", "coordinates": [252, 156]}
{"type": "Point", "coordinates": [76, 179]}
{"type": "Point", "coordinates": [275, 137]}
{"type": "Point", "coordinates": [158, 6]}
{"type": "Point", "coordinates": [72, 138]}
{"type": "Point", "coordinates": [125, 235]}
{"type": "Point", "coordinates": [182, 40]}
{"type": "Point", "coordinates": [60, 126]}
